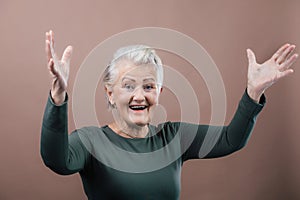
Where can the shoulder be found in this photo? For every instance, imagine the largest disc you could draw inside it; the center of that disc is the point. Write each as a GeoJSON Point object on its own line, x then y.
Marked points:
{"type": "Point", "coordinates": [90, 136]}
{"type": "Point", "coordinates": [89, 132]}
{"type": "Point", "coordinates": [169, 128]}
{"type": "Point", "coordinates": [164, 127]}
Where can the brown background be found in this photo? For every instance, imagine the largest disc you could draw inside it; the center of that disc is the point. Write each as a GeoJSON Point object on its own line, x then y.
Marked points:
{"type": "Point", "coordinates": [268, 168]}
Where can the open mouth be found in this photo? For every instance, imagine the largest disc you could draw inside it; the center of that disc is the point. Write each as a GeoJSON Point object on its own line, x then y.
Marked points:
{"type": "Point", "coordinates": [137, 108]}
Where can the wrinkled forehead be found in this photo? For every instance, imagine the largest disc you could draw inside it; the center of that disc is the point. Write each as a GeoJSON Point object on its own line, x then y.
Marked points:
{"type": "Point", "coordinates": [127, 69]}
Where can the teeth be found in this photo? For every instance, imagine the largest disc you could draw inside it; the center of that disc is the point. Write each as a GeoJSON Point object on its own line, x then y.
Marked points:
{"type": "Point", "coordinates": [137, 107]}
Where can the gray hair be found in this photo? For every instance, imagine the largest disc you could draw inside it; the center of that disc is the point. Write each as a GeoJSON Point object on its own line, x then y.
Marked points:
{"type": "Point", "coordinates": [138, 54]}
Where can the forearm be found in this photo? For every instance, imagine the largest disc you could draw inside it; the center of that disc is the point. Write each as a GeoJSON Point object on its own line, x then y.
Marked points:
{"type": "Point", "coordinates": [54, 138]}
{"type": "Point", "coordinates": [242, 124]}
{"type": "Point", "coordinates": [237, 133]}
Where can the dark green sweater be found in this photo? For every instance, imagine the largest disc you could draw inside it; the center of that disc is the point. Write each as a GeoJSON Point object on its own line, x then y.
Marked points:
{"type": "Point", "coordinates": [113, 167]}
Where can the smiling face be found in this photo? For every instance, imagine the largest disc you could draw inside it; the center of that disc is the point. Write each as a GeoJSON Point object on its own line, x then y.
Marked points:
{"type": "Point", "coordinates": [135, 94]}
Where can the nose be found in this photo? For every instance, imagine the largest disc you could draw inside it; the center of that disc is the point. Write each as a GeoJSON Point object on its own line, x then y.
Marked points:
{"type": "Point", "coordinates": [138, 95]}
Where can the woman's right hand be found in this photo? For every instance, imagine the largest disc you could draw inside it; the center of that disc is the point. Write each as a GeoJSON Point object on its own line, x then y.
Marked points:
{"type": "Point", "coordinates": [59, 69]}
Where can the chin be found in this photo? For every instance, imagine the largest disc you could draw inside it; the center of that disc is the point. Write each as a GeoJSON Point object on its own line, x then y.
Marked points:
{"type": "Point", "coordinates": [141, 122]}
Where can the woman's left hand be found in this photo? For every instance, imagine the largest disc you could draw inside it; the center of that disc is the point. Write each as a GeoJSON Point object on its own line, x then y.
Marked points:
{"type": "Point", "coordinates": [262, 76]}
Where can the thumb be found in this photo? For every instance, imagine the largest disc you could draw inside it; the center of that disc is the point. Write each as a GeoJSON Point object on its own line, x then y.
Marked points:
{"type": "Point", "coordinates": [251, 56]}
{"type": "Point", "coordinates": [67, 55]}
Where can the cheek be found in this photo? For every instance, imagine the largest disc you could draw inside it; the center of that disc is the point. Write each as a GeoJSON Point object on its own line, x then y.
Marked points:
{"type": "Point", "coordinates": [152, 99]}
{"type": "Point", "coordinates": [121, 97]}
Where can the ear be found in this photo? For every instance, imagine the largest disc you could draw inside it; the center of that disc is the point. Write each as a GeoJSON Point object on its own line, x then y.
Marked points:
{"type": "Point", "coordinates": [109, 94]}
{"type": "Point", "coordinates": [159, 92]}
{"type": "Point", "coordinates": [161, 89]}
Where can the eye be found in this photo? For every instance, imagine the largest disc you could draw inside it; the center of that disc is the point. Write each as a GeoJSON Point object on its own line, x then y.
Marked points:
{"type": "Point", "coordinates": [129, 86]}
{"type": "Point", "coordinates": [149, 87]}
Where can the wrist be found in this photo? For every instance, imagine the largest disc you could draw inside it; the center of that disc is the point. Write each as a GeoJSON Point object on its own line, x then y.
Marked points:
{"type": "Point", "coordinates": [58, 97]}
{"type": "Point", "coordinates": [254, 95]}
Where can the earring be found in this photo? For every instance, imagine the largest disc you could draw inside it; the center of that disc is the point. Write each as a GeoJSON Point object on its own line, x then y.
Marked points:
{"type": "Point", "coordinates": [113, 105]}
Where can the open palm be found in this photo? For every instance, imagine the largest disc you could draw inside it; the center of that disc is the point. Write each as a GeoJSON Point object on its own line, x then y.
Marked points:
{"type": "Point", "coordinates": [262, 76]}
{"type": "Point", "coordinates": [59, 69]}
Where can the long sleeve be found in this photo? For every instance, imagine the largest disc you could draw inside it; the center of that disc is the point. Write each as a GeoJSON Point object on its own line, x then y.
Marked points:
{"type": "Point", "coordinates": [217, 141]}
{"type": "Point", "coordinates": [62, 153]}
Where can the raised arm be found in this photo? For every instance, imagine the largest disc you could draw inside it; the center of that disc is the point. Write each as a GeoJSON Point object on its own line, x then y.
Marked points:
{"type": "Point", "coordinates": [62, 153]}
{"type": "Point", "coordinates": [217, 141]}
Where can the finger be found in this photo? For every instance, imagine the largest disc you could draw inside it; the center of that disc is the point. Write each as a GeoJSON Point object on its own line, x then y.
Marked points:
{"type": "Point", "coordinates": [279, 51]}
{"type": "Point", "coordinates": [48, 35]}
{"type": "Point", "coordinates": [288, 63]}
{"type": "Point", "coordinates": [282, 58]}
{"type": "Point", "coordinates": [54, 57]}
{"type": "Point", "coordinates": [285, 73]}
{"type": "Point", "coordinates": [51, 38]}
{"type": "Point", "coordinates": [251, 57]}
{"type": "Point", "coordinates": [66, 57]}
{"type": "Point", "coordinates": [47, 46]}
{"type": "Point", "coordinates": [47, 49]}
{"type": "Point", "coordinates": [52, 51]}
{"type": "Point", "coordinates": [51, 67]}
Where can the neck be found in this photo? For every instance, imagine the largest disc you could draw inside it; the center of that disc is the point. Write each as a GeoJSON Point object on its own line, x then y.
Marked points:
{"type": "Point", "coordinates": [129, 131]}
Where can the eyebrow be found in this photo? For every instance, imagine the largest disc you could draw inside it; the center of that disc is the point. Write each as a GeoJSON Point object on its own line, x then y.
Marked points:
{"type": "Point", "coordinates": [146, 79]}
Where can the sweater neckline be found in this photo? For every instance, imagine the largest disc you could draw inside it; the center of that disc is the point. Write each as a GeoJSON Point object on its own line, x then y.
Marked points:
{"type": "Point", "coordinates": [151, 129]}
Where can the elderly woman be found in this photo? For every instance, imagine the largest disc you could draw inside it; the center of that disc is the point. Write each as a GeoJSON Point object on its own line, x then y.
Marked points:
{"type": "Point", "coordinates": [133, 83]}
